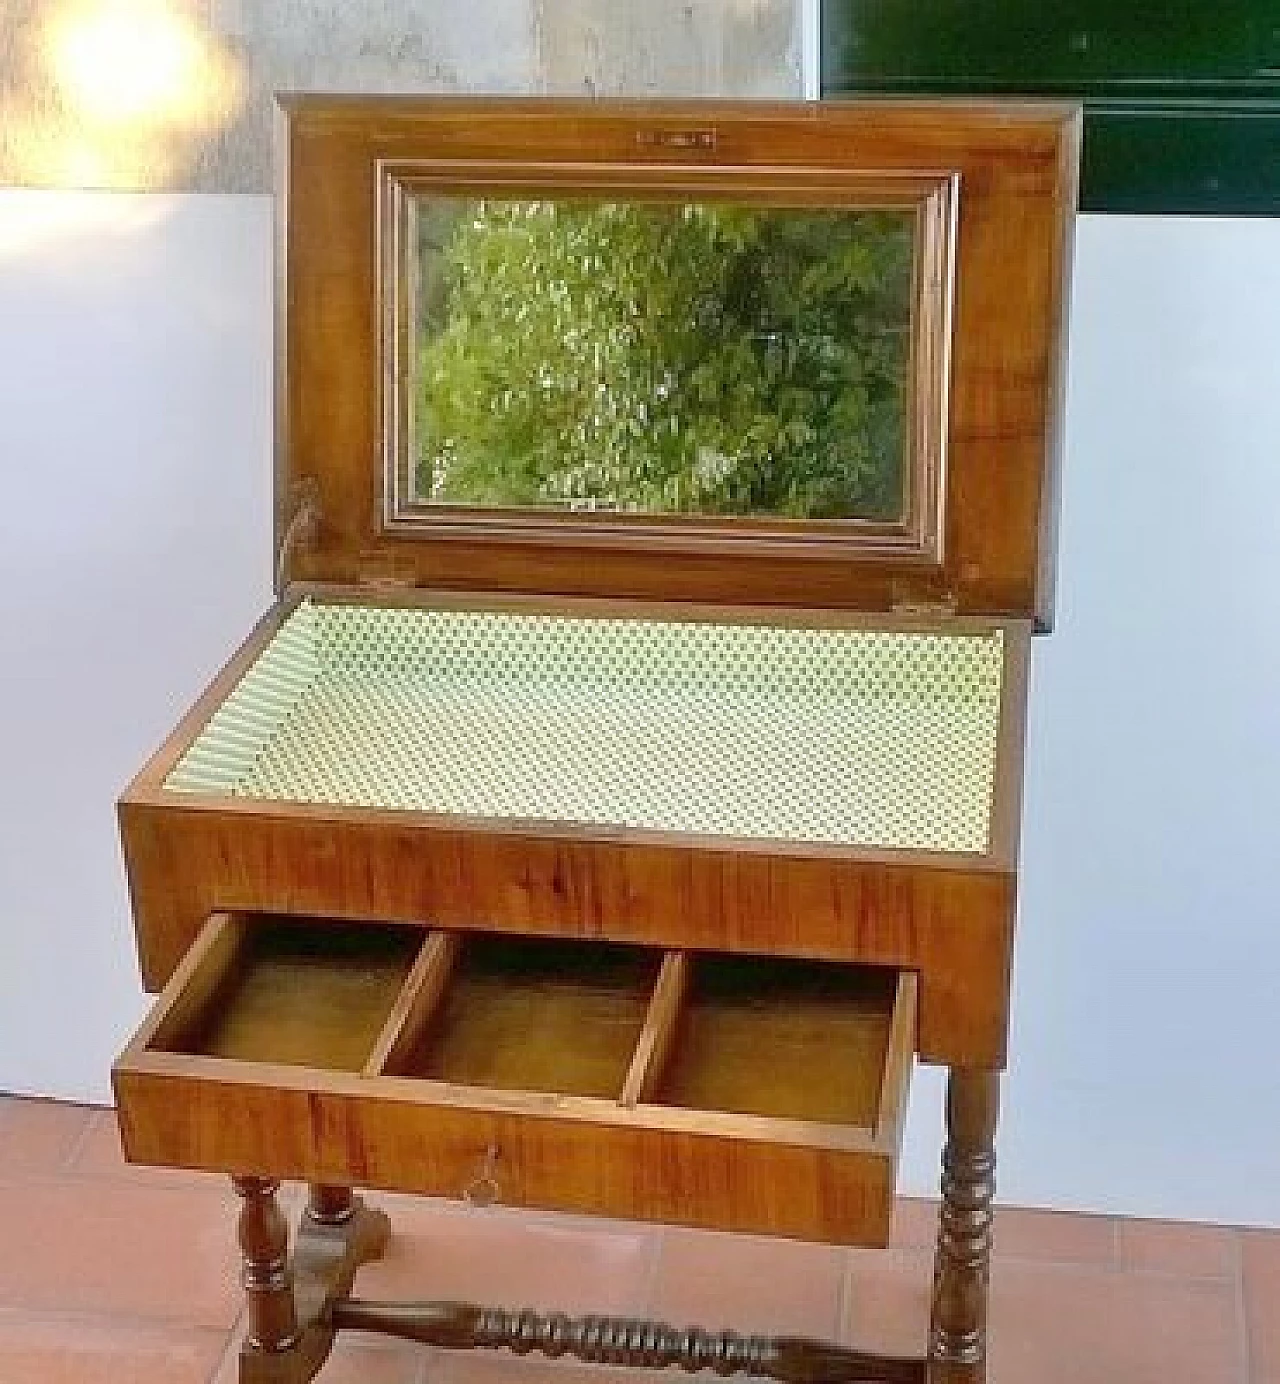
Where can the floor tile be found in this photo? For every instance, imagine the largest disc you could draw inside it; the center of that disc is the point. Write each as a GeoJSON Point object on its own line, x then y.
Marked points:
{"type": "Point", "coordinates": [356, 1359]}
{"type": "Point", "coordinates": [886, 1307]}
{"type": "Point", "coordinates": [1260, 1262]}
{"type": "Point", "coordinates": [120, 1275]}
{"type": "Point", "coordinates": [159, 1254]}
{"type": "Point", "coordinates": [1059, 1237]}
{"type": "Point", "coordinates": [1056, 1236]}
{"type": "Point", "coordinates": [915, 1223]}
{"type": "Point", "coordinates": [510, 1258]}
{"type": "Point", "coordinates": [747, 1283]}
{"type": "Point", "coordinates": [1075, 1324]}
{"type": "Point", "coordinates": [502, 1367]}
{"type": "Point", "coordinates": [1193, 1251]}
{"type": "Point", "coordinates": [38, 1136]}
{"type": "Point", "coordinates": [99, 1155]}
{"type": "Point", "coordinates": [59, 1350]}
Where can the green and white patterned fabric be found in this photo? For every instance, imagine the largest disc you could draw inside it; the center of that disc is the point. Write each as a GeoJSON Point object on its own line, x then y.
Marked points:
{"type": "Point", "coordinates": [853, 737]}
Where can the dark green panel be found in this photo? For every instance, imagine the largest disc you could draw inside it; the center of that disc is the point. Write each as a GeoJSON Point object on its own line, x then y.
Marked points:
{"type": "Point", "coordinates": [1182, 98]}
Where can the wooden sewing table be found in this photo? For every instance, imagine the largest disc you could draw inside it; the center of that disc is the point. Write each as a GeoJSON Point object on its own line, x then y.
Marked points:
{"type": "Point", "coordinates": [590, 862]}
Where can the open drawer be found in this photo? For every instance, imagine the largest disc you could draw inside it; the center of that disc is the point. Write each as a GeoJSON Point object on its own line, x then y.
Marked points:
{"type": "Point", "coordinates": [734, 1092]}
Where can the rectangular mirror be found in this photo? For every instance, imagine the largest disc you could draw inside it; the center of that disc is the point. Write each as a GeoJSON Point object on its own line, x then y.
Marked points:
{"type": "Point", "coordinates": [700, 364]}
{"type": "Point", "coordinates": [680, 358]}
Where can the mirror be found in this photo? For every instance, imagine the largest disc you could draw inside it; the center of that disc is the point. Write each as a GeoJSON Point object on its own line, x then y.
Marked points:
{"type": "Point", "coordinates": [595, 357]}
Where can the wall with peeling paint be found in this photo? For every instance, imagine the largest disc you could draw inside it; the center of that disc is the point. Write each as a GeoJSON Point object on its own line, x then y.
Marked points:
{"type": "Point", "coordinates": [210, 129]}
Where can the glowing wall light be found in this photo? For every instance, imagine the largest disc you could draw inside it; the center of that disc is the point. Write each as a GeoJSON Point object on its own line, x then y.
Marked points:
{"type": "Point", "coordinates": [126, 62]}
{"type": "Point", "coordinates": [134, 86]}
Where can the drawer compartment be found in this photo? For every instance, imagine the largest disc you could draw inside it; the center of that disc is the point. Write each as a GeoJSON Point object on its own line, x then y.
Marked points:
{"type": "Point", "coordinates": [535, 1015]}
{"type": "Point", "coordinates": [275, 992]}
{"type": "Point", "coordinates": [740, 1093]}
{"type": "Point", "coordinates": [761, 1036]}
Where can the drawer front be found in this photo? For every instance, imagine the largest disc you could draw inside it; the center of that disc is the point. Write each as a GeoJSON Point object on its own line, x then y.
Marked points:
{"type": "Point", "coordinates": [597, 1168]}
{"type": "Point", "coordinates": [221, 1076]}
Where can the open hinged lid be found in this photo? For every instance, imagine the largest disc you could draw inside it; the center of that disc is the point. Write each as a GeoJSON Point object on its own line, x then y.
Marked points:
{"type": "Point", "coordinates": [748, 353]}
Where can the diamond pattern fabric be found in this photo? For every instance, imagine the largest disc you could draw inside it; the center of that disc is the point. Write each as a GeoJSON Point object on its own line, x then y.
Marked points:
{"type": "Point", "coordinates": [850, 737]}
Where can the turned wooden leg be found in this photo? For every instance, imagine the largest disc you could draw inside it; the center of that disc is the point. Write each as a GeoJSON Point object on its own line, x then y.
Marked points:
{"type": "Point", "coordinates": [289, 1327]}
{"type": "Point", "coordinates": [268, 1284]}
{"type": "Point", "coordinates": [330, 1205]}
{"type": "Point", "coordinates": [958, 1328]}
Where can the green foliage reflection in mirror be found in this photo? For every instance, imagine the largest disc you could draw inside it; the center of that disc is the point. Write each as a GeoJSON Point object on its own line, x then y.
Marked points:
{"type": "Point", "coordinates": [690, 358]}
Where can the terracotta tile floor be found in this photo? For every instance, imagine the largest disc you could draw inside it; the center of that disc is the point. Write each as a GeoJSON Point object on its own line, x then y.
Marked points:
{"type": "Point", "coordinates": [120, 1275]}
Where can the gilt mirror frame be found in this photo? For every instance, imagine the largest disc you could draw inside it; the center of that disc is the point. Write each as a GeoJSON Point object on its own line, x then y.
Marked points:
{"type": "Point", "coordinates": [991, 190]}
{"type": "Point", "coordinates": [928, 200]}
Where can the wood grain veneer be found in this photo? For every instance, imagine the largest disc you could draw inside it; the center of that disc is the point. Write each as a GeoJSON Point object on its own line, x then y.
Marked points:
{"type": "Point", "coordinates": [948, 917]}
{"type": "Point", "coordinates": [537, 1015]}
{"type": "Point", "coordinates": [953, 924]}
{"type": "Point", "coordinates": [764, 1036]}
{"type": "Point", "coordinates": [517, 1098]}
{"type": "Point", "coordinates": [292, 992]}
{"type": "Point", "coordinates": [1015, 165]}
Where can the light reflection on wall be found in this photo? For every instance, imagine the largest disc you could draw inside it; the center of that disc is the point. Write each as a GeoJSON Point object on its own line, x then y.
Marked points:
{"type": "Point", "coordinates": [30, 225]}
{"type": "Point", "coordinates": [131, 88]}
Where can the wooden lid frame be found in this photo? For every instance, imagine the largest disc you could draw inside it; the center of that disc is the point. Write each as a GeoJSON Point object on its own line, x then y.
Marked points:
{"type": "Point", "coordinates": [993, 186]}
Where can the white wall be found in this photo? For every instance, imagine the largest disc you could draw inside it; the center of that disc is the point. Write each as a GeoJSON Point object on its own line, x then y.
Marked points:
{"type": "Point", "coordinates": [135, 447]}
{"type": "Point", "coordinates": [1146, 1025]}
{"type": "Point", "coordinates": [135, 439]}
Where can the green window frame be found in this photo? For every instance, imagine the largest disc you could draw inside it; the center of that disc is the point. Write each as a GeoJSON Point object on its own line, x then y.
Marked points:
{"type": "Point", "coordinates": [1182, 97]}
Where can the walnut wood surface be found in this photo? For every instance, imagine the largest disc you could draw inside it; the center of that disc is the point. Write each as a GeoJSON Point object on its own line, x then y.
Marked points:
{"type": "Point", "coordinates": [330, 1251]}
{"type": "Point", "coordinates": [324, 1265]}
{"type": "Point", "coordinates": [793, 1039]}
{"type": "Point", "coordinates": [953, 926]}
{"type": "Point", "coordinates": [816, 1165]}
{"type": "Point", "coordinates": [263, 1233]}
{"type": "Point", "coordinates": [659, 1031]}
{"type": "Point", "coordinates": [416, 1005]}
{"type": "Point", "coordinates": [541, 1015]}
{"type": "Point", "coordinates": [1016, 167]}
{"type": "Point", "coordinates": [300, 994]}
{"type": "Point", "coordinates": [626, 1341]}
{"type": "Point", "coordinates": [329, 1205]}
{"type": "Point", "coordinates": [958, 1327]}
{"type": "Point", "coordinates": [647, 1164]}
